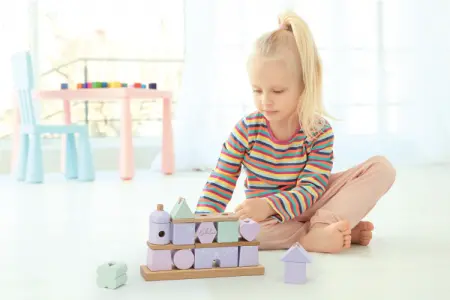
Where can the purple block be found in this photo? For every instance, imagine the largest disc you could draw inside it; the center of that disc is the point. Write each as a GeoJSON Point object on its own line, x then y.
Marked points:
{"type": "Point", "coordinates": [249, 229]}
{"type": "Point", "coordinates": [183, 234]}
{"type": "Point", "coordinates": [294, 272]}
{"type": "Point", "coordinates": [159, 234]}
{"type": "Point", "coordinates": [206, 232]}
{"type": "Point", "coordinates": [159, 224]}
{"type": "Point", "coordinates": [222, 257]}
{"type": "Point", "coordinates": [159, 260]}
{"type": "Point", "coordinates": [248, 256]}
{"type": "Point", "coordinates": [183, 259]}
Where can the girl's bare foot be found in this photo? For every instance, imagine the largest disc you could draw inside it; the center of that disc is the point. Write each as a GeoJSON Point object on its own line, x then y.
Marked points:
{"type": "Point", "coordinates": [328, 238]}
{"type": "Point", "coordinates": [362, 233]}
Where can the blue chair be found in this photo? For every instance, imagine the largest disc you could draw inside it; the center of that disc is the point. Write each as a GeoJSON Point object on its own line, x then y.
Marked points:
{"type": "Point", "coordinates": [79, 163]}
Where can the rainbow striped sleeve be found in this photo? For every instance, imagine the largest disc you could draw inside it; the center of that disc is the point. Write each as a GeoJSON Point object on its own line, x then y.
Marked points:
{"type": "Point", "coordinates": [311, 184]}
{"type": "Point", "coordinates": [220, 185]}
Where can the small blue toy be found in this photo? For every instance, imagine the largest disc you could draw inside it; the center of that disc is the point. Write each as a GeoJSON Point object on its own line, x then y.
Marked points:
{"type": "Point", "coordinates": [112, 275]}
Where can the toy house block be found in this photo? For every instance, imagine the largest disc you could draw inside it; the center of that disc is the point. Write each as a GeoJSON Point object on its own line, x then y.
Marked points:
{"type": "Point", "coordinates": [159, 226]}
{"type": "Point", "coordinates": [159, 260]}
{"type": "Point", "coordinates": [183, 259]}
{"type": "Point", "coordinates": [181, 211]}
{"type": "Point", "coordinates": [295, 260]}
{"type": "Point", "coordinates": [111, 275]}
{"type": "Point", "coordinates": [183, 234]}
{"type": "Point", "coordinates": [248, 256]}
{"type": "Point", "coordinates": [221, 257]}
{"type": "Point", "coordinates": [206, 232]}
{"type": "Point", "coordinates": [227, 231]}
{"type": "Point", "coordinates": [249, 229]}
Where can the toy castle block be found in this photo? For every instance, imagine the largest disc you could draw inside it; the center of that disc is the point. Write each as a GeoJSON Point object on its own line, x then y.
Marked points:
{"type": "Point", "coordinates": [295, 260]}
{"type": "Point", "coordinates": [206, 232]}
{"type": "Point", "coordinates": [111, 275]}
{"type": "Point", "coordinates": [249, 229]}
{"type": "Point", "coordinates": [200, 245]}
{"type": "Point", "coordinates": [159, 225]}
{"type": "Point", "coordinates": [183, 223]}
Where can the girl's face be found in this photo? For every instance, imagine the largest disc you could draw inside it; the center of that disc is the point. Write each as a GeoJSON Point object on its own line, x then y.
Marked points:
{"type": "Point", "coordinates": [276, 87]}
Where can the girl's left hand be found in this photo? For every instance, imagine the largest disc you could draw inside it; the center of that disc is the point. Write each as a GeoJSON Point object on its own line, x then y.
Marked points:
{"type": "Point", "coordinates": [256, 209]}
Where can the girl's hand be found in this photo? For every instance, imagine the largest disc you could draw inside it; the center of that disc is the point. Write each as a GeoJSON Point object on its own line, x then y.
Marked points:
{"type": "Point", "coordinates": [257, 209]}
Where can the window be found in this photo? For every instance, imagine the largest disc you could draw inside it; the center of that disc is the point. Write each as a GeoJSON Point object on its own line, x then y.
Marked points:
{"type": "Point", "coordinates": [137, 41]}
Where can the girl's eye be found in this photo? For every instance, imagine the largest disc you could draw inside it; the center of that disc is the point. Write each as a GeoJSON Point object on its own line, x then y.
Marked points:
{"type": "Point", "coordinates": [278, 92]}
{"type": "Point", "coordinates": [256, 91]}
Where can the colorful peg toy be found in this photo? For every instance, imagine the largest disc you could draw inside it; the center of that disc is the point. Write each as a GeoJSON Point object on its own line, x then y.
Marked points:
{"type": "Point", "coordinates": [114, 84]}
{"type": "Point", "coordinates": [183, 245]}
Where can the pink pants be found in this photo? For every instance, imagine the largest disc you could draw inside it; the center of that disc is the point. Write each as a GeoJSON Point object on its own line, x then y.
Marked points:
{"type": "Point", "coordinates": [350, 196]}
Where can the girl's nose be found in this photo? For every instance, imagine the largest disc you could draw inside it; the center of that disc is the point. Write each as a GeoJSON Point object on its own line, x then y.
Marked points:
{"type": "Point", "coordinates": [266, 100]}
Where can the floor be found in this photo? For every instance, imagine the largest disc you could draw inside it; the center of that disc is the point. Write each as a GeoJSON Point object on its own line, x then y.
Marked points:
{"type": "Point", "coordinates": [54, 235]}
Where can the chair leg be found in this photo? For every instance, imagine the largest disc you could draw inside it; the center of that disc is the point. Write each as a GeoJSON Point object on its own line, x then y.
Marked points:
{"type": "Point", "coordinates": [71, 164]}
{"type": "Point", "coordinates": [86, 170]}
{"type": "Point", "coordinates": [35, 165]}
{"type": "Point", "coordinates": [21, 169]}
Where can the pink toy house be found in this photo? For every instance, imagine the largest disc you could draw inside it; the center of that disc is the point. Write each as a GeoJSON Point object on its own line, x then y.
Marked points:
{"type": "Point", "coordinates": [295, 260]}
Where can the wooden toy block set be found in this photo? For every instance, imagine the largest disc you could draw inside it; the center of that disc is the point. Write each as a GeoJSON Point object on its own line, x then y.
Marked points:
{"type": "Point", "coordinates": [182, 245]}
{"type": "Point", "coordinates": [114, 84]}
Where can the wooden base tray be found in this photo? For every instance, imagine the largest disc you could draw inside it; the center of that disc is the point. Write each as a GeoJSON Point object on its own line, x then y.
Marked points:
{"type": "Point", "coordinates": [200, 273]}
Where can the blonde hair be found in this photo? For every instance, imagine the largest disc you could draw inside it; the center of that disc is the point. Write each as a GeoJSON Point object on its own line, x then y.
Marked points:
{"type": "Point", "coordinates": [294, 35]}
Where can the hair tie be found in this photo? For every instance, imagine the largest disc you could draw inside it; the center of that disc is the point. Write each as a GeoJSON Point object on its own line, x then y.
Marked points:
{"type": "Point", "coordinates": [284, 26]}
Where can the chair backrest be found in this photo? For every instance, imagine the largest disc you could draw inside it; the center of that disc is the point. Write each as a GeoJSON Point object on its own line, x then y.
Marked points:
{"type": "Point", "coordinates": [22, 70]}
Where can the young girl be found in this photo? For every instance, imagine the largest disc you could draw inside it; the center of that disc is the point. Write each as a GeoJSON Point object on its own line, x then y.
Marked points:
{"type": "Point", "coordinates": [286, 149]}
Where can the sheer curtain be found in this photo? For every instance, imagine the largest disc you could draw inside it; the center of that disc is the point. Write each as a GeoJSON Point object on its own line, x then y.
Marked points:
{"type": "Point", "coordinates": [386, 76]}
{"type": "Point", "coordinates": [15, 25]}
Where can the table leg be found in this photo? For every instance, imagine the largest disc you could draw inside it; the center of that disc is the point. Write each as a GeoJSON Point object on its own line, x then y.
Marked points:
{"type": "Point", "coordinates": [126, 136]}
{"type": "Point", "coordinates": [168, 157]}
{"type": "Point", "coordinates": [67, 121]}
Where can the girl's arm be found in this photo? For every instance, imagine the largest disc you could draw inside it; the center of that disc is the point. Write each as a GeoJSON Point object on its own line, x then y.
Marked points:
{"type": "Point", "coordinates": [220, 185]}
{"type": "Point", "coordinates": [311, 184]}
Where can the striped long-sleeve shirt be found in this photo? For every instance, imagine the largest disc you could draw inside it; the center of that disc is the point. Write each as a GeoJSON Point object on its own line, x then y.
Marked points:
{"type": "Point", "coordinates": [291, 175]}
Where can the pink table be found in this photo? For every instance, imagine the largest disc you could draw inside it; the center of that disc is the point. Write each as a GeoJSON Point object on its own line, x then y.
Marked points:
{"type": "Point", "coordinates": [124, 95]}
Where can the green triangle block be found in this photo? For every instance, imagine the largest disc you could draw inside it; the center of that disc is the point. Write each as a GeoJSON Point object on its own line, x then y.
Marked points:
{"type": "Point", "coordinates": [181, 210]}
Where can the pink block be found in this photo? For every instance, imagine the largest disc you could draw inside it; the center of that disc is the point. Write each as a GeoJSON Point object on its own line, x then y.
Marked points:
{"type": "Point", "coordinates": [248, 256]}
{"type": "Point", "coordinates": [249, 229]}
{"type": "Point", "coordinates": [206, 232]}
{"type": "Point", "coordinates": [159, 260]}
{"type": "Point", "coordinates": [183, 259]}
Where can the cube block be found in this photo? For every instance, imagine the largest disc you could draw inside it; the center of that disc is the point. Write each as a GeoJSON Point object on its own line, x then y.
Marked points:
{"type": "Point", "coordinates": [227, 231]}
{"type": "Point", "coordinates": [183, 234]}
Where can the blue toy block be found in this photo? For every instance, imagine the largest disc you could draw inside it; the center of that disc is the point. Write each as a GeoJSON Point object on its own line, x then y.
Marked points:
{"type": "Point", "coordinates": [64, 86]}
{"type": "Point", "coordinates": [112, 275]}
{"type": "Point", "coordinates": [152, 86]}
{"type": "Point", "coordinates": [104, 84]}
